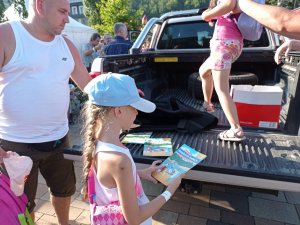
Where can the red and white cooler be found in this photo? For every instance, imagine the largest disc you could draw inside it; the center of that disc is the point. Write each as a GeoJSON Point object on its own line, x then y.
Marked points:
{"type": "Point", "coordinates": [257, 106]}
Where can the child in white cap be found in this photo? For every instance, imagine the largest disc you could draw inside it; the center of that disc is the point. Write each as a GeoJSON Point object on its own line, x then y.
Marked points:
{"type": "Point", "coordinates": [112, 107]}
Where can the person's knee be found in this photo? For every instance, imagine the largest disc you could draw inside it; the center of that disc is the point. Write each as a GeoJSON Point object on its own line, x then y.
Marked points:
{"type": "Point", "coordinates": [204, 74]}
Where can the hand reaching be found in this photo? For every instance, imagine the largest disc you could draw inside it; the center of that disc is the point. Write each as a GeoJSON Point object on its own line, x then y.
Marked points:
{"type": "Point", "coordinates": [285, 49]}
{"type": "Point", "coordinates": [146, 173]}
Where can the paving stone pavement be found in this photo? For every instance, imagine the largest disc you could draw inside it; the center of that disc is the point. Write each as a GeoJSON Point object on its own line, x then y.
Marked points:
{"type": "Point", "coordinates": [213, 205]}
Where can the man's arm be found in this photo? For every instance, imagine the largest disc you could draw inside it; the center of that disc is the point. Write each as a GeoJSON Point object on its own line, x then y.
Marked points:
{"type": "Point", "coordinates": [79, 75]}
{"type": "Point", "coordinates": [278, 19]}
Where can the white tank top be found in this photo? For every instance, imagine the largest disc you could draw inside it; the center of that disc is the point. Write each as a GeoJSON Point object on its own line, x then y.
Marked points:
{"type": "Point", "coordinates": [106, 195]}
{"type": "Point", "coordinates": [34, 92]}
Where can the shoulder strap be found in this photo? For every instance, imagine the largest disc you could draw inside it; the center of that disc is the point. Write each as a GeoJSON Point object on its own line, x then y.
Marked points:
{"type": "Point", "coordinates": [91, 185]}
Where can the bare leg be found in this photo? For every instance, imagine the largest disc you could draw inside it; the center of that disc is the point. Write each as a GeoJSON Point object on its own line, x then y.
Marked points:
{"type": "Point", "coordinates": [221, 82]}
{"type": "Point", "coordinates": [62, 207]}
{"type": "Point", "coordinates": [207, 81]}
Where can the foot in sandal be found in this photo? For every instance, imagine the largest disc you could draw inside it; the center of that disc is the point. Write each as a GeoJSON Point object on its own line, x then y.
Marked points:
{"type": "Point", "coordinates": [208, 107]}
{"type": "Point", "coordinates": [232, 135]}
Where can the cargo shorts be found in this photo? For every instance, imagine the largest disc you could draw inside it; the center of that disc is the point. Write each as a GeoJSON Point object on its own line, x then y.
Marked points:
{"type": "Point", "coordinates": [57, 171]}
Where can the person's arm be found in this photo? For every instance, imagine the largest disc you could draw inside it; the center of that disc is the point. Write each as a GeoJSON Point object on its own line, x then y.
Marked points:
{"type": "Point", "coordinates": [278, 19]}
{"type": "Point", "coordinates": [285, 48]}
{"type": "Point", "coordinates": [226, 6]}
{"type": "Point", "coordinates": [79, 75]}
{"type": "Point", "coordinates": [89, 51]}
{"type": "Point", "coordinates": [134, 213]}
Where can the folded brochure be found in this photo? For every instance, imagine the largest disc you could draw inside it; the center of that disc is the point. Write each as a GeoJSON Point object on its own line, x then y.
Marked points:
{"type": "Point", "coordinates": [158, 147]}
{"type": "Point", "coordinates": [183, 159]}
{"type": "Point", "coordinates": [136, 138]}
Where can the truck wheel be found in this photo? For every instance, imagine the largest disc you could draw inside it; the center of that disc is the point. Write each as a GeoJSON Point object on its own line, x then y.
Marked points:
{"type": "Point", "coordinates": [195, 83]}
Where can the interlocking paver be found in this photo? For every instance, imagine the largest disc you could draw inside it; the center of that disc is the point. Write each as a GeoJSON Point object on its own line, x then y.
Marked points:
{"type": "Point", "coordinates": [279, 198]}
{"type": "Point", "coordinates": [152, 190]}
{"type": "Point", "coordinates": [84, 217]}
{"type": "Point", "coordinates": [236, 218]}
{"type": "Point", "coordinates": [298, 209]}
{"type": "Point", "coordinates": [228, 201]}
{"type": "Point", "coordinates": [176, 206]}
{"type": "Point", "coordinates": [293, 197]}
{"type": "Point", "coordinates": [204, 212]}
{"type": "Point", "coordinates": [201, 198]}
{"type": "Point", "coordinates": [165, 217]}
{"type": "Point", "coordinates": [238, 191]}
{"type": "Point", "coordinates": [212, 222]}
{"type": "Point", "coordinates": [190, 220]}
{"type": "Point", "coordinates": [44, 207]}
{"type": "Point", "coordinates": [261, 221]}
{"type": "Point", "coordinates": [272, 210]}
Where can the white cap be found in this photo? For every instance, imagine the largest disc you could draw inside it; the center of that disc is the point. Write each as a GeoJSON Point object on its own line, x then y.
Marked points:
{"type": "Point", "coordinates": [18, 168]}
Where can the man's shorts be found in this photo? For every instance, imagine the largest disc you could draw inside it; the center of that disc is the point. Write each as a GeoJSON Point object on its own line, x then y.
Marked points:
{"type": "Point", "coordinates": [224, 53]}
{"type": "Point", "coordinates": [57, 171]}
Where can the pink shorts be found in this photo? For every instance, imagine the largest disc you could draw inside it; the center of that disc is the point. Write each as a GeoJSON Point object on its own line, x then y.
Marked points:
{"type": "Point", "coordinates": [224, 53]}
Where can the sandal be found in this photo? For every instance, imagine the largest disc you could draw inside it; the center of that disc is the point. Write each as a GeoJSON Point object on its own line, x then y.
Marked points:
{"type": "Point", "coordinates": [208, 107]}
{"type": "Point", "coordinates": [232, 135]}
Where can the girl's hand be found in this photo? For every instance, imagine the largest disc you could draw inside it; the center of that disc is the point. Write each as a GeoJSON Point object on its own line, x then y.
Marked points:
{"type": "Point", "coordinates": [174, 183]}
{"type": "Point", "coordinates": [285, 48]}
{"type": "Point", "coordinates": [146, 173]}
{"type": "Point", "coordinates": [205, 15]}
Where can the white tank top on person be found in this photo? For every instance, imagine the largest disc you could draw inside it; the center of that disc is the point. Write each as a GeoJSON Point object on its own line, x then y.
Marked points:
{"type": "Point", "coordinates": [106, 195]}
{"type": "Point", "coordinates": [34, 91]}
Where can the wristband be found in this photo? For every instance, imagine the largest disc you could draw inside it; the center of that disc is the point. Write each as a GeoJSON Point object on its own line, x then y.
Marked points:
{"type": "Point", "coordinates": [167, 195]}
{"type": "Point", "coordinates": [94, 49]}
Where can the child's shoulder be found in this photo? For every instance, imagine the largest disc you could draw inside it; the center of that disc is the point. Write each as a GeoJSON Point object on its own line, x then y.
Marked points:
{"type": "Point", "coordinates": [114, 160]}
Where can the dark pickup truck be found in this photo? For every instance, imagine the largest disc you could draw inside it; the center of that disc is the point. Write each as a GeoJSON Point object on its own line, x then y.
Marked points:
{"type": "Point", "coordinates": [164, 61]}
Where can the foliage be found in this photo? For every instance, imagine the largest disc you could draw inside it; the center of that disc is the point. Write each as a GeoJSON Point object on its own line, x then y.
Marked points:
{"type": "Point", "coordinates": [290, 4]}
{"type": "Point", "coordinates": [2, 10]}
{"type": "Point", "coordinates": [92, 11]}
{"type": "Point", "coordinates": [155, 8]}
{"type": "Point", "coordinates": [113, 11]}
{"type": "Point", "coordinates": [20, 8]}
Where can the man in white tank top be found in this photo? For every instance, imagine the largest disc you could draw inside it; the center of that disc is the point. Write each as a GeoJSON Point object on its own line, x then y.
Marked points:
{"type": "Point", "coordinates": [36, 62]}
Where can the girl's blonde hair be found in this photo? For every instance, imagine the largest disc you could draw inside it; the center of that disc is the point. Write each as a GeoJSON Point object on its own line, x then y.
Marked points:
{"type": "Point", "coordinates": [93, 117]}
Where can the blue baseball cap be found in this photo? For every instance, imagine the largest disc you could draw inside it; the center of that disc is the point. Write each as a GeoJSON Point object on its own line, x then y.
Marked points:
{"type": "Point", "coordinates": [113, 89]}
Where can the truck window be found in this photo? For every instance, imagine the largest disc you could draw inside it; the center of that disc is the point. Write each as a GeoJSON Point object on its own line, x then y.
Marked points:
{"type": "Point", "coordinates": [188, 35]}
{"type": "Point", "coordinates": [196, 35]}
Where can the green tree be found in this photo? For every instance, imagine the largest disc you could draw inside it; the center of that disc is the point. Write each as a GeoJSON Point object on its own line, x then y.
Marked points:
{"type": "Point", "coordinates": [113, 11]}
{"type": "Point", "coordinates": [92, 11]}
{"type": "Point", "coordinates": [19, 6]}
{"type": "Point", "coordinates": [2, 10]}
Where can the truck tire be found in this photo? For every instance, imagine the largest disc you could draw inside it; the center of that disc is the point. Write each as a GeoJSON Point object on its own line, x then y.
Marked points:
{"type": "Point", "coordinates": [195, 83]}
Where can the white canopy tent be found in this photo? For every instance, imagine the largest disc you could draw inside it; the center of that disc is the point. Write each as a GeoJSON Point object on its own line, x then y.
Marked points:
{"type": "Point", "coordinates": [78, 33]}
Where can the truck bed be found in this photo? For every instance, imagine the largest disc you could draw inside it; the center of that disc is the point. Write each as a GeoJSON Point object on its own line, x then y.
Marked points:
{"type": "Point", "coordinates": [267, 159]}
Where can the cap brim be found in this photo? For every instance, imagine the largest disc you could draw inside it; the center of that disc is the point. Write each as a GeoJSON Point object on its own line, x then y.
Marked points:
{"type": "Point", "coordinates": [144, 105]}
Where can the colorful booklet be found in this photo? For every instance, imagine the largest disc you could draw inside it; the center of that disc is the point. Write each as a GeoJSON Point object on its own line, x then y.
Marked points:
{"type": "Point", "coordinates": [180, 162]}
{"type": "Point", "coordinates": [136, 138]}
{"type": "Point", "coordinates": [158, 147]}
